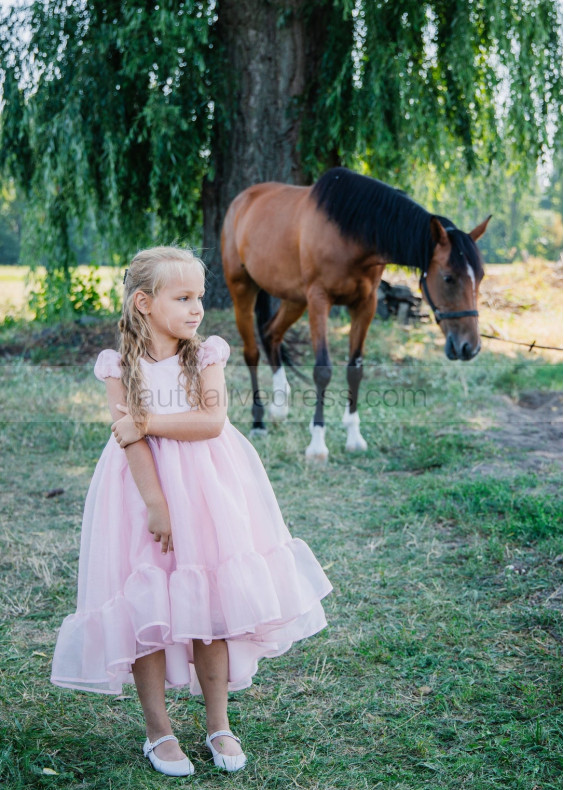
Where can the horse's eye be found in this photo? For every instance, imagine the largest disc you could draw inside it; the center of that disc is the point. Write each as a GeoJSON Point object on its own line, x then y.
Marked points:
{"type": "Point", "coordinates": [448, 278]}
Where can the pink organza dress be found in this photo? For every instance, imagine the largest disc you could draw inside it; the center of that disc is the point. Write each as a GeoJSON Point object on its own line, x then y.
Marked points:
{"type": "Point", "coordinates": [235, 572]}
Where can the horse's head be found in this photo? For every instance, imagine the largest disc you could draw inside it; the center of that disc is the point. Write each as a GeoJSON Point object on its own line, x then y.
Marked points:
{"type": "Point", "coordinates": [451, 286]}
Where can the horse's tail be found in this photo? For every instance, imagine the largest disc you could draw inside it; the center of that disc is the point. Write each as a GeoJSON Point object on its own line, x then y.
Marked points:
{"type": "Point", "coordinates": [263, 315]}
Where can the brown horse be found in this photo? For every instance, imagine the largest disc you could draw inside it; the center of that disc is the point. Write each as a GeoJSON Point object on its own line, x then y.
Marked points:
{"type": "Point", "coordinates": [313, 247]}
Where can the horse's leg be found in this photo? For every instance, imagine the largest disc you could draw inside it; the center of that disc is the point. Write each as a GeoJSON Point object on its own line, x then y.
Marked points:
{"type": "Point", "coordinates": [244, 294]}
{"type": "Point", "coordinates": [286, 315]}
{"type": "Point", "coordinates": [361, 318]}
{"type": "Point", "coordinates": [318, 308]}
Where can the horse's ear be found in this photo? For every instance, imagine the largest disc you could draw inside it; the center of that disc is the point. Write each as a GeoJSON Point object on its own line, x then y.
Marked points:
{"type": "Point", "coordinates": [479, 230]}
{"type": "Point", "coordinates": [438, 233]}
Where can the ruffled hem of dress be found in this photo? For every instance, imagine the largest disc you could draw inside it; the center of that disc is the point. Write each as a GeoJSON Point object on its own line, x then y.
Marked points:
{"type": "Point", "coordinates": [96, 649]}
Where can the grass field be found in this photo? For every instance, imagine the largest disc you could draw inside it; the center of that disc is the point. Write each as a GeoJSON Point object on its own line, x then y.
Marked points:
{"type": "Point", "coordinates": [441, 663]}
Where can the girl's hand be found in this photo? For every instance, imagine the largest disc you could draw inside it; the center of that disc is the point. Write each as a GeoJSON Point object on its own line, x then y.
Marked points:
{"type": "Point", "coordinates": [125, 430]}
{"type": "Point", "coordinates": [159, 526]}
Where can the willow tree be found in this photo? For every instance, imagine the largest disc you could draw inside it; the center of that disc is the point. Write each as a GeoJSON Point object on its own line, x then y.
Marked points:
{"type": "Point", "coordinates": [148, 118]}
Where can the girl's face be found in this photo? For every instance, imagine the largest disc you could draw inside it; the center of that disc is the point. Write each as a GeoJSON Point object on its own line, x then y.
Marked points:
{"type": "Point", "coordinates": [176, 311]}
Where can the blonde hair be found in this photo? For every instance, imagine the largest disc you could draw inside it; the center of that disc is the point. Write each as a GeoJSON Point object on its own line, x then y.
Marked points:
{"type": "Point", "coordinates": [149, 271]}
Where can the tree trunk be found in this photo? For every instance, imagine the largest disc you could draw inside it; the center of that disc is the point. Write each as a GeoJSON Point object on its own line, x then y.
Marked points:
{"type": "Point", "coordinates": [263, 47]}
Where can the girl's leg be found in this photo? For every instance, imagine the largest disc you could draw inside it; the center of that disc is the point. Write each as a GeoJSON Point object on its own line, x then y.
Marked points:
{"type": "Point", "coordinates": [149, 674]}
{"type": "Point", "coordinates": [212, 667]}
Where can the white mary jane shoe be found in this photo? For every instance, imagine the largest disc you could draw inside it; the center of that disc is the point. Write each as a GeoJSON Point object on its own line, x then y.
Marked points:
{"type": "Point", "coordinates": [168, 767]}
{"type": "Point", "coordinates": [229, 762]}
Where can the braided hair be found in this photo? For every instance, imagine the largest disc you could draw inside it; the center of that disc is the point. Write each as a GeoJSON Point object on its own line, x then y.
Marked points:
{"type": "Point", "coordinates": [149, 271]}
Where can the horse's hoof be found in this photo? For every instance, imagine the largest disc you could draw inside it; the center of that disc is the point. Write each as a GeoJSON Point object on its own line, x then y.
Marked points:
{"type": "Point", "coordinates": [356, 446]}
{"type": "Point", "coordinates": [317, 451]}
{"type": "Point", "coordinates": [355, 443]}
{"type": "Point", "coordinates": [278, 413]}
{"type": "Point", "coordinates": [317, 459]}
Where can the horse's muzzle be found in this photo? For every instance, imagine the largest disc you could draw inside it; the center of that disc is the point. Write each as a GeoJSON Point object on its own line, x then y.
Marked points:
{"type": "Point", "coordinates": [457, 348]}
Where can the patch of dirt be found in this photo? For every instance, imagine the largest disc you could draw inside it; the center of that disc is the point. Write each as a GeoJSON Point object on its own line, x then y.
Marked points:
{"type": "Point", "coordinates": [551, 600]}
{"type": "Point", "coordinates": [528, 432]}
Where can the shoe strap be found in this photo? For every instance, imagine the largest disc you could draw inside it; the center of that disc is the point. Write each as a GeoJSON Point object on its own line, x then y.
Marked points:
{"type": "Point", "coordinates": [158, 742]}
{"type": "Point", "coordinates": [223, 732]}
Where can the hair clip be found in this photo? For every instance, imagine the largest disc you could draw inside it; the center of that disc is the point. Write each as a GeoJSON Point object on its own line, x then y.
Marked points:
{"type": "Point", "coordinates": [125, 275]}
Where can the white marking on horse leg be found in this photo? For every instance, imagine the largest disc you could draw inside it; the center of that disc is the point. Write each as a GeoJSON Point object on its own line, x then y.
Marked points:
{"type": "Point", "coordinates": [254, 432]}
{"type": "Point", "coordinates": [317, 449]}
{"type": "Point", "coordinates": [355, 441]}
{"type": "Point", "coordinates": [472, 279]}
{"type": "Point", "coordinates": [279, 406]}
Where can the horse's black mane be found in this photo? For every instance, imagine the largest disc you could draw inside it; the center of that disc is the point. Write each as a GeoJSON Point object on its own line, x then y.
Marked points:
{"type": "Point", "coordinates": [387, 221]}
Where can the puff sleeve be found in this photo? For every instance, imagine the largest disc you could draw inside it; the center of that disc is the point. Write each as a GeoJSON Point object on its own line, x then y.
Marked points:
{"type": "Point", "coordinates": [214, 351]}
{"type": "Point", "coordinates": [108, 365]}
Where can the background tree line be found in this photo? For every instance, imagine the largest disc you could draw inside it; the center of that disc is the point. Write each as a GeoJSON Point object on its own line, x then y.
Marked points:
{"type": "Point", "coordinates": [128, 123]}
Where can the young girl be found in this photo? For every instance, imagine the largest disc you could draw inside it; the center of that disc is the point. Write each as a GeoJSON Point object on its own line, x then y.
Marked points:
{"type": "Point", "coordinates": [187, 572]}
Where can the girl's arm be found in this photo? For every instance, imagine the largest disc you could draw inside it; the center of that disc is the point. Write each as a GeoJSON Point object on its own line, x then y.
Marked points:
{"type": "Point", "coordinates": [144, 473]}
{"type": "Point", "coordinates": [190, 426]}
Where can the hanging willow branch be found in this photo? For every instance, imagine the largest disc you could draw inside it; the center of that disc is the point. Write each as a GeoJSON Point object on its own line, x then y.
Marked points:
{"type": "Point", "coordinates": [110, 108]}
